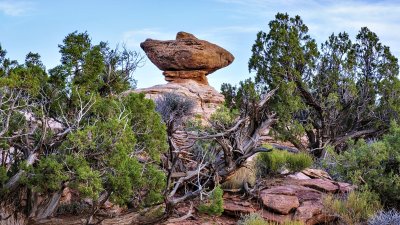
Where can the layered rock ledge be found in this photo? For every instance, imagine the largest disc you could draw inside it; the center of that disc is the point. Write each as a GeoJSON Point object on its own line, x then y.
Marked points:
{"type": "Point", "coordinates": [296, 197]}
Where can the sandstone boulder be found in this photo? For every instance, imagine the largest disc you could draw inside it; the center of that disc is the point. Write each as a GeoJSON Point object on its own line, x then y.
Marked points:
{"type": "Point", "coordinates": [186, 57]}
{"type": "Point", "coordinates": [237, 208]}
{"type": "Point", "coordinates": [316, 173]}
{"type": "Point", "coordinates": [301, 192]}
{"type": "Point", "coordinates": [311, 212]}
{"type": "Point", "coordinates": [299, 176]}
{"type": "Point", "coordinates": [281, 204]}
{"type": "Point", "coordinates": [345, 187]}
{"type": "Point", "coordinates": [321, 185]}
{"type": "Point", "coordinates": [275, 217]}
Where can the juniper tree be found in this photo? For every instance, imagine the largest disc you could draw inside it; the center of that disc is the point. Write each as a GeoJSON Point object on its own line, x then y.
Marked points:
{"type": "Point", "coordinates": [69, 128]}
{"type": "Point", "coordinates": [343, 91]}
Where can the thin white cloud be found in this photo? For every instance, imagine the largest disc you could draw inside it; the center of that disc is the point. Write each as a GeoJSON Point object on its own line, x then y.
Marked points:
{"type": "Point", "coordinates": [133, 38]}
{"type": "Point", "coordinates": [325, 17]}
{"type": "Point", "coordinates": [226, 36]}
{"type": "Point", "coordinates": [234, 29]}
{"type": "Point", "coordinates": [15, 8]}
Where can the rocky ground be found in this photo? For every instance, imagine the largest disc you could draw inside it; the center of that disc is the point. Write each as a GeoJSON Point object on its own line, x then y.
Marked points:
{"type": "Point", "coordinates": [292, 197]}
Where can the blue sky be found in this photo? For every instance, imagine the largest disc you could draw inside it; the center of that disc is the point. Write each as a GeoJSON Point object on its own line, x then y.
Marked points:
{"type": "Point", "coordinates": [39, 26]}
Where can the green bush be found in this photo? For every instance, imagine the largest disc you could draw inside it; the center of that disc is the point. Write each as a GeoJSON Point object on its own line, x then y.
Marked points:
{"type": "Point", "coordinates": [356, 208]}
{"type": "Point", "coordinates": [299, 161]}
{"type": "Point", "coordinates": [223, 118]}
{"type": "Point", "coordinates": [375, 164]}
{"type": "Point", "coordinates": [215, 206]}
{"type": "Point", "coordinates": [276, 161]}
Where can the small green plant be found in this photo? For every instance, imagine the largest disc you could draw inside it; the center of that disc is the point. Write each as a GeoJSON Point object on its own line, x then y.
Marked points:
{"type": "Point", "coordinates": [356, 208]}
{"type": "Point", "coordinates": [215, 206]}
{"type": "Point", "coordinates": [276, 161]}
{"type": "Point", "coordinates": [3, 175]}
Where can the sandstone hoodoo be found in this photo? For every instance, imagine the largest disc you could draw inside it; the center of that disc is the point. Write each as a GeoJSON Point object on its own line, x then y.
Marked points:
{"type": "Point", "coordinates": [186, 62]}
{"type": "Point", "coordinates": [186, 57]}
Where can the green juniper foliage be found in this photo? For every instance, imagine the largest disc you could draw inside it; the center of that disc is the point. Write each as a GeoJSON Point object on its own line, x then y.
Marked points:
{"type": "Point", "coordinates": [80, 131]}
{"type": "Point", "coordinates": [216, 203]}
{"type": "Point", "coordinates": [375, 164]}
{"type": "Point", "coordinates": [346, 89]}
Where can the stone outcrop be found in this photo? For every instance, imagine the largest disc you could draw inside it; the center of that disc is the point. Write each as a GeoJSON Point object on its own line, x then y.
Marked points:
{"type": "Point", "coordinates": [186, 57]}
{"type": "Point", "coordinates": [186, 62]}
{"type": "Point", "coordinates": [296, 197]}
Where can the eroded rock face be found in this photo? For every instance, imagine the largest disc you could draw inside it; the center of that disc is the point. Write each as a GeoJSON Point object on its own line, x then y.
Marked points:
{"type": "Point", "coordinates": [186, 57]}
{"type": "Point", "coordinates": [206, 98]}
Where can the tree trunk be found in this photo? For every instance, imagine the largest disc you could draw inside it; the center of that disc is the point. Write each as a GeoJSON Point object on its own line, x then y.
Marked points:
{"type": "Point", "coordinates": [9, 216]}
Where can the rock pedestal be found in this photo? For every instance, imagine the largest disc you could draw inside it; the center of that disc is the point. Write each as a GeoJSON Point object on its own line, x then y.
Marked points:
{"type": "Point", "coordinates": [206, 98]}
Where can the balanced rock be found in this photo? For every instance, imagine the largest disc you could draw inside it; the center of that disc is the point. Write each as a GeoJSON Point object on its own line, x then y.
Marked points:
{"type": "Point", "coordinates": [186, 57]}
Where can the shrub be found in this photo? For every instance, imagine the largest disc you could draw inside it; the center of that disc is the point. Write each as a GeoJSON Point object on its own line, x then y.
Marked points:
{"type": "Point", "coordinates": [246, 174]}
{"type": "Point", "coordinates": [355, 208]}
{"type": "Point", "coordinates": [223, 118]}
{"type": "Point", "coordinates": [256, 219]}
{"type": "Point", "coordinates": [252, 219]}
{"type": "Point", "coordinates": [299, 161]}
{"type": "Point", "coordinates": [3, 175]}
{"type": "Point", "coordinates": [215, 207]}
{"type": "Point", "coordinates": [375, 164]}
{"type": "Point", "coordinates": [391, 217]}
{"type": "Point", "coordinates": [174, 105]}
{"type": "Point", "coordinates": [74, 208]}
{"type": "Point", "coordinates": [276, 161]}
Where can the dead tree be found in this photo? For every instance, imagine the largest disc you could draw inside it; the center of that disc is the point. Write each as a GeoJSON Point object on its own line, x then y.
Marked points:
{"type": "Point", "coordinates": [242, 140]}
{"type": "Point", "coordinates": [190, 175]}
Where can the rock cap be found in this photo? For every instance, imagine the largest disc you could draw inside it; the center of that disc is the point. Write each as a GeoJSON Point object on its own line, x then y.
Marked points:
{"type": "Point", "coordinates": [186, 57]}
